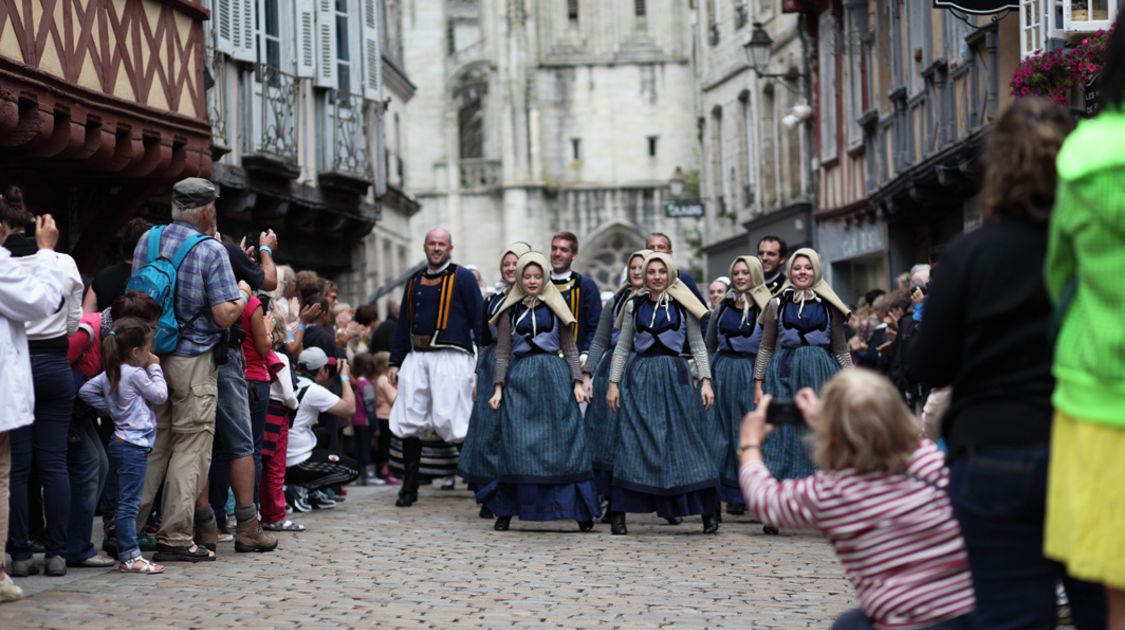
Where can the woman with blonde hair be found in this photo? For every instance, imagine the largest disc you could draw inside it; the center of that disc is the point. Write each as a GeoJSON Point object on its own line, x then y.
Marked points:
{"type": "Point", "coordinates": [878, 495]}
{"type": "Point", "coordinates": [985, 334]}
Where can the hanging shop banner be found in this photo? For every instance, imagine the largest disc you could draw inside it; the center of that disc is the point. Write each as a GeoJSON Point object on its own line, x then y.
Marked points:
{"type": "Point", "coordinates": [979, 7]}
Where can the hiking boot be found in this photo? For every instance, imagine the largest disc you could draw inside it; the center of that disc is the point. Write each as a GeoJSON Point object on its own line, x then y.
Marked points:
{"type": "Point", "coordinates": [249, 536]}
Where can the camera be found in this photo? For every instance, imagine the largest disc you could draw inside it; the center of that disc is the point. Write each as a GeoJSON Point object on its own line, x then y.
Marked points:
{"type": "Point", "coordinates": [783, 412]}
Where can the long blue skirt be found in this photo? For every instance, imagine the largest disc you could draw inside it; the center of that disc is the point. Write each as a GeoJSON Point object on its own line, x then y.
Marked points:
{"type": "Point", "coordinates": [733, 382]}
{"type": "Point", "coordinates": [544, 467]}
{"type": "Point", "coordinates": [664, 461]}
{"type": "Point", "coordinates": [601, 426]}
{"type": "Point", "coordinates": [479, 453]}
{"type": "Point", "coordinates": [786, 451]}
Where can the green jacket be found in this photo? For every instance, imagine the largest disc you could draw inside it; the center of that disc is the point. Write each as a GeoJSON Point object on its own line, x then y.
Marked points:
{"type": "Point", "coordinates": [1087, 242]}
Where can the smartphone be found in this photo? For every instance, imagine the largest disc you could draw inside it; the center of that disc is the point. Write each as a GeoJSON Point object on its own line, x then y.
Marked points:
{"type": "Point", "coordinates": [252, 238]}
{"type": "Point", "coordinates": [783, 412]}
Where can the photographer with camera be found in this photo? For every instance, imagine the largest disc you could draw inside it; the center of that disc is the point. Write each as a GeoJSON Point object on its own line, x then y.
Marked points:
{"type": "Point", "coordinates": [878, 496]}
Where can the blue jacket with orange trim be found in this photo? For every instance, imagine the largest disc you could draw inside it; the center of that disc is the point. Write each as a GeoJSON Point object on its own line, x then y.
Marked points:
{"type": "Point", "coordinates": [585, 301]}
{"type": "Point", "coordinates": [439, 311]}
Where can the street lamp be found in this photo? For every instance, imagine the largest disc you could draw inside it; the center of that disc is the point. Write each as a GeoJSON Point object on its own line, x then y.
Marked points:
{"type": "Point", "coordinates": [676, 184]}
{"type": "Point", "coordinates": [758, 47]}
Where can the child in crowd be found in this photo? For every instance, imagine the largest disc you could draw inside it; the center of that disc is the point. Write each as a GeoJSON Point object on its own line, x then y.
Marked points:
{"type": "Point", "coordinates": [282, 404]}
{"type": "Point", "coordinates": [364, 419]}
{"type": "Point", "coordinates": [131, 381]}
{"type": "Point", "coordinates": [385, 394]}
{"type": "Point", "coordinates": [880, 497]}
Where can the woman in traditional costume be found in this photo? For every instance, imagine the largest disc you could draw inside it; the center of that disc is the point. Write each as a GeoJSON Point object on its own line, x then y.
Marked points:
{"type": "Point", "coordinates": [545, 470]}
{"type": "Point", "coordinates": [664, 460]}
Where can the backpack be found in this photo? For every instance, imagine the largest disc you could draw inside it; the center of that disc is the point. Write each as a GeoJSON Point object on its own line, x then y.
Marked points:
{"type": "Point", "coordinates": [157, 279]}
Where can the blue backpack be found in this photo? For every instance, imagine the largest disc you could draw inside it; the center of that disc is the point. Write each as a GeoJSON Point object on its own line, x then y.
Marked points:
{"type": "Point", "coordinates": [157, 279]}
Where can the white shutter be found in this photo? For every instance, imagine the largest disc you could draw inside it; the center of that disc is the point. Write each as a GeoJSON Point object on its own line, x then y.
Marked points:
{"type": "Point", "coordinates": [244, 44]}
{"type": "Point", "coordinates": [305, 28]}
{"type": "Point", "coordinates": [222, 25]}
{"type": "Point", "coordinates": [372, 58]}
{"type": "Point", "coordinates": [325, 43]}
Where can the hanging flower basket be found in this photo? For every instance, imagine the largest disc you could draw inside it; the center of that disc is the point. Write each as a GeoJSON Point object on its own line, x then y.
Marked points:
{"type": "Point", "coordinates": [1055, 74]}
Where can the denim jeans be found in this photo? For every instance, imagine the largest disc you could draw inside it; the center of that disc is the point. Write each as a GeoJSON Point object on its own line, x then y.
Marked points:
{"type": "Point", "coordinates": [999, 498]}
{"type": "Point", "coordinates": [856, 619]}
{"type": "Point", "coordinates": [130, 463]}
{"type": "Point", "coordinates": [234, 437]}
{"type": "Point", "coordinates": [259, 405]}
{"type": "Point", "coordinates": [44, 446]}
{"type": "Point", "coordinates": [89, 466]}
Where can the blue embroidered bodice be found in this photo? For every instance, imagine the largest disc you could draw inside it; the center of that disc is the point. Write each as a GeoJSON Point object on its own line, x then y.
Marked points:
{"type": "Point", "coordinates": [812, 328]}
{"type": "Point", "coordinates": [534, 331]}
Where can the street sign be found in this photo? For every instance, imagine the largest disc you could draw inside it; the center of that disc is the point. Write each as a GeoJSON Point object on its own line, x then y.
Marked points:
{"type": "Point", "coordinates": [684, 209]}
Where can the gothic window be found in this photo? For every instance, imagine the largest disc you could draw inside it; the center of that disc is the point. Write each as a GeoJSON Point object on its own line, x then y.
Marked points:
{"type": "Point", "coordinates": [470, 122]}
{"type": "Point", "coordinates": [603, 259]}
{"type": "Point", "coordinates": [652, 145]}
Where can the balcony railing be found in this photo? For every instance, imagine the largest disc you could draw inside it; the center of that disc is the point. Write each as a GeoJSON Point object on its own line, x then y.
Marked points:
{"type": "Point", "coordinates": [348, 151]}
{"type": "Point", "coordinates": [275, 129]}
{"type": "Point", "coordinates": [479, 173]}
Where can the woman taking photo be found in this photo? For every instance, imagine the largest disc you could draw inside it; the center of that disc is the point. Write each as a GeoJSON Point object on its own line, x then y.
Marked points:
{"type": "Point", "coordinates": [803, 345]}
{"type": "Point", "coordinates": [985, 333]}
{"type": "Point", "coordinates": [734, 334]}
{"type": "Point", "coordinates": [544, 470]}
{"type": "Point", "coordinates": [879, 496]}
{"type": "Point", "coordinates": [664, 461]}
{"type": "Point", "coordinates": [601, 421]}
{"type": "Point", "coordinates": [477, 463]}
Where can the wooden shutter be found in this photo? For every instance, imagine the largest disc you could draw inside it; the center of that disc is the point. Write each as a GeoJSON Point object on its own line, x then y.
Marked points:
{"type": "Point", "coordinates": [244, 43]}
{"type": "Point", "coordinates": [372, 58]}
{"type": "Point", "coordinates": [222, 25]}
{"type": "Point", "coordinates": [304, 26]}
{"type": "Point", "coordinates": [325, 43]}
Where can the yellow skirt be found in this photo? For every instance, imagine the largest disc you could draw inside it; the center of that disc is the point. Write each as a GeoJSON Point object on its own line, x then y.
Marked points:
{"type": "Point", "coordinates": [1086, 500]}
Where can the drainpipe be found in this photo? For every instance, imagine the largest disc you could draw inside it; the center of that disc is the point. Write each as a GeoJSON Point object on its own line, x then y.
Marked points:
{"type": "Point", "coordinates": [810, 145]}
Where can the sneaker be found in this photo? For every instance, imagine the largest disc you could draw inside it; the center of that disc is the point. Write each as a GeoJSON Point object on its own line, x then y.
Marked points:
{"type": "Point", "coordinates": [9, 592]}
{"type": "Point", "coordinates": [320, 501]}
{"type": "Point", "coordinates": [375, 481]}
{"type": "Point", "coordinates": [449, 484]}
{"type": "Point", "coordinates": [251, 537]}
{"type": "Point", "coordinates": [298, 497]}
{"type": "Point", "coordinates": [391, 480]}
{"type": "Point", "coordinates": [98, 560]}
{"type": "Point", "coordinates": [225, 537]}
{"type": "Point", "coordinates": [54, 566]}
{"type": "Point", "coordinates": [23, 568]}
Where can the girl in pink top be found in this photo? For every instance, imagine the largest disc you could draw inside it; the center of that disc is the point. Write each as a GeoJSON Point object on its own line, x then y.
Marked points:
{"type": "Point", "coordinates": [385, 394]}
{"type": "Point", "coordinates": [879, 495]}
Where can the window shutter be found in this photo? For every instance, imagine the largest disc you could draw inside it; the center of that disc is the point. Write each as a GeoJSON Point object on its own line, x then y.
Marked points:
{"type": "Point", "coordinates": [372, 59]}
{"type": "Point", "coordinates": [244, 45]}
{"type": "Point", "coordinates": [305, 28]}
{"type": "Point", "coordinates": [222, 25]}
{"type": "Point", "coordinates": [325, 44]}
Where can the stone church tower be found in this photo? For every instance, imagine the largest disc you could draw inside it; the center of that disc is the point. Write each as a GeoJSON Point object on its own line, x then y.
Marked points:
{"type": "Point", "coordinates": [533, 116]}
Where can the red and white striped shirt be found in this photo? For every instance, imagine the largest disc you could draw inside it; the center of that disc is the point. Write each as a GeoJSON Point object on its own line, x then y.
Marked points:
{"type": "Point", "coordinates": [894, 533]}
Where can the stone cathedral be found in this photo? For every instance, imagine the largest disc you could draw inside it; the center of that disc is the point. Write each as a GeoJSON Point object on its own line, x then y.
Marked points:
{"type": "Point", "coordinates": [548, 115]}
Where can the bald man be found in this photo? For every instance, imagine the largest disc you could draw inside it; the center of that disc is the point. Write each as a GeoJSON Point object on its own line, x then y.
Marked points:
{"type": "Point", "coordinates": [432, 356]}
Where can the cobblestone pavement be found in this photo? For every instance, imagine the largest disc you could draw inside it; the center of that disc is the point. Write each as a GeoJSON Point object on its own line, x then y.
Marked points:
{"type": "Point", "coordinates": [369, 564]}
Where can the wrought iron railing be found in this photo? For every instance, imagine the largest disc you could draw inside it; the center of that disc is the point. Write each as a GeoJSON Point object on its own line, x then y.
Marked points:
{"type": "Point", "coordinates": [348, 152]}
{"type": "Point", "coordinates": [478, 173]}
{"type": "Point", "coordinates": [275, 128]}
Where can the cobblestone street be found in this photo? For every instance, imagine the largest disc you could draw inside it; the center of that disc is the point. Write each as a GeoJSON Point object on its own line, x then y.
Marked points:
{"type": "Point", "coordinates": [438, 565]}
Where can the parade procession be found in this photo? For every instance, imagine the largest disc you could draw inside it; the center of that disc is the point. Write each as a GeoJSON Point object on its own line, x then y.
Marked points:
{"type": "Point", "coordinates": [562, 313]}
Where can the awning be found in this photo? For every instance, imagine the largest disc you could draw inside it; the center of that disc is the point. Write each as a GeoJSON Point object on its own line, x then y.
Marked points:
{"type": "Point", "coordinates": [979, 7]}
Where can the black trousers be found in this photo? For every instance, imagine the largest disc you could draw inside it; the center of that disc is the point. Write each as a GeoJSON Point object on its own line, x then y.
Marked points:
{"type": "Point", "coordinates": [323, 468]}
{"type": "Point", "coordinates": [411, 462]}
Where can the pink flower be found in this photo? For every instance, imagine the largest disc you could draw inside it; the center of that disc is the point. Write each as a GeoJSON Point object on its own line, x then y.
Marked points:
{"type": "Point", "coordinates": [1024, 91]}
{"type": "Point", "coordinates": [1092, 68]}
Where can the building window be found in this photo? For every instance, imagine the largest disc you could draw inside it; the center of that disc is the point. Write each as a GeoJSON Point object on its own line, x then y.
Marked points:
{"type": "Point", "coordinates": [826, 92]}
{"type": "Point", "coordinates": [856, 35]}
{"type": "Point", "coordinates": [640, 8]}
{"type": "Point", "coordinates": [741, 13]}
{"type": "Point", "coordinates": [470, 121]}
{"type": "Point", "coordinates": [712, 22]}
{"type": "Point", "coordinates": [572, 10]}
{"type": "Point", "coordinates": [1087, 16]}
{"type": "Point", "coordinates": [652, 146]}
{"type": "Point", "coordinates": [343, 53]}
{"type": "Point", "coordinates": [746, 164]}
{"type": "Point", "coordinates": [270, 27]}
{"type": "Point", "coordinates": [576, 148]}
